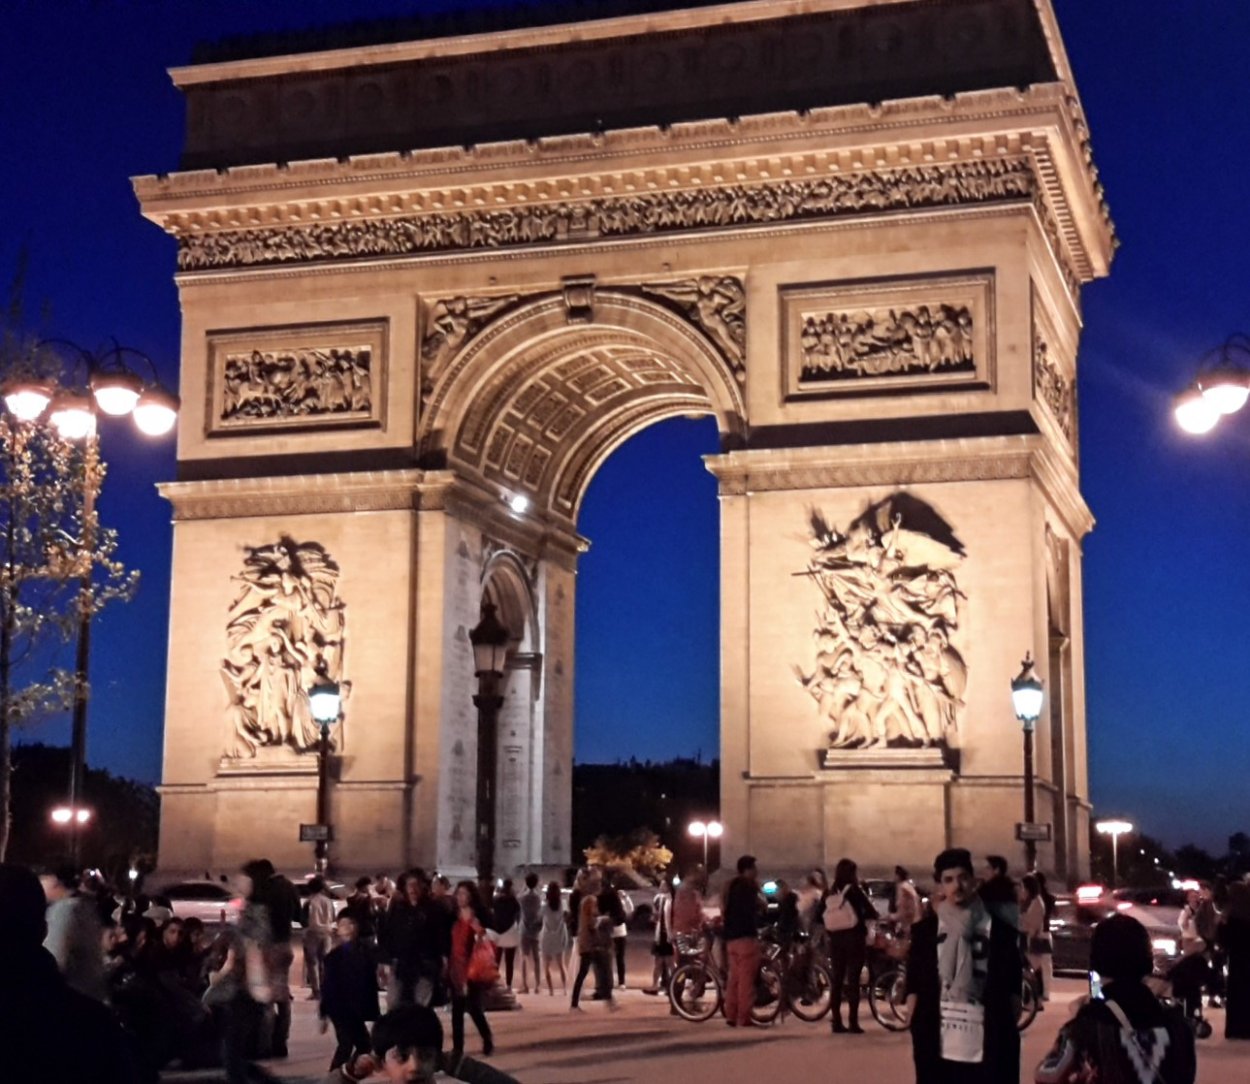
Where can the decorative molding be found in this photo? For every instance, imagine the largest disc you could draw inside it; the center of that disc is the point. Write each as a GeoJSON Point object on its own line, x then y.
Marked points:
{"type": "Point", "coordinates": [1055, 389]}
{"type": "Point", "coordinates": [296, 377]}
{"type": "Point", "coordinates": [284, 632]}
{"type": "Point", "coordinates": [717, 305]}
{"type": "Point", "coordinates": [889, 335]}
{"type": "Point", "coordinates": [887, 672]}
{"type": "Point", "coordinates": [641, 213]}
{"type": "Point", "coordinates": [579, 298]}
{"type": "Point", "coordinates": [451, 322]}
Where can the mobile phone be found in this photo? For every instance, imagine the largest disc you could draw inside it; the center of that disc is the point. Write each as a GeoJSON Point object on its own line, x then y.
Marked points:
{"type": "Point", "coordinates": [1095, 985]}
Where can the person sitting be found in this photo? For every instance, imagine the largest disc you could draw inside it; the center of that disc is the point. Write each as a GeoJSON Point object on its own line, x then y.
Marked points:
{"type": "Point", "coordinates": [408, 1049]}
{"type": "Point", "coordinates": [1127, 1034]}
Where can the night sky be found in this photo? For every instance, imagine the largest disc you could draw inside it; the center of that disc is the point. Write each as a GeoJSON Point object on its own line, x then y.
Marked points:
{"type": "Point", "coordinates": [85, 103]}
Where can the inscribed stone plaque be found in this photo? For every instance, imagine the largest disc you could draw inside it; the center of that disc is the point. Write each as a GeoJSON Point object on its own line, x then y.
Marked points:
{"type": "Point", "coordinates": [296, 377]}
{"type": "Point", "coordinates": [889, 336]}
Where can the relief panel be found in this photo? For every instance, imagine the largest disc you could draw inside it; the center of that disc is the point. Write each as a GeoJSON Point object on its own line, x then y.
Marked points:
{"type": "Point", "coordinates": [891, 336]}
{"type": "Point", "coordinates": [296, 377]}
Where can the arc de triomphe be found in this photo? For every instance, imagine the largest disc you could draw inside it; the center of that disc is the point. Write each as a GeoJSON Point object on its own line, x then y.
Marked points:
{"type": "Point", "coordinates": [421, 279]}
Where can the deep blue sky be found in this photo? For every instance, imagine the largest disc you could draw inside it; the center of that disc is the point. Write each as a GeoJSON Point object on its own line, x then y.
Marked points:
{"type": "Point", "coordinates": [85, 103]}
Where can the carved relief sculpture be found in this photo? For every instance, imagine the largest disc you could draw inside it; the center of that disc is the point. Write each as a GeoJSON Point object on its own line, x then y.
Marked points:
{"type": "Point", "coordinates": [865, 192]}
{"type": "Point", "coordinates": [284, 631]}
{"type": "Point", "coordinates": [850, 345]}
{"type": "Point", "coordinates": [1054, 389]}
{"type": "Point", "coordinates": [451, 322]}
{"type": "Point", "coordinates": [889, 335]}
{"type": "Point", "coordinates": [887, 671]}
{"type": "Point", "coordinates": [717, 304]}
{"type": "Point", "coordinates": [298, 383]}
{"type": "Point", "coordinates": [296, 377]}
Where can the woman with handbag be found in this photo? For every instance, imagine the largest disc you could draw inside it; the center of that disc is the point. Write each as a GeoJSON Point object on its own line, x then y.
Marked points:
{"type": "Point", "coordinates": [471, 967]}
{"type": "Point", "coordinates": [1037, 943]}
{"type": "Point", "coordinates": [845, 919]}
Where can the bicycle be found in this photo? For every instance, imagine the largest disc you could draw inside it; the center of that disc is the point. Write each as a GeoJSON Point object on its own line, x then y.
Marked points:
{"type": "Point", "coordinates": [806, 982]}
{"type": "Point", "coordinates": [697, 989]}
{"type": "Point", "coordinates": [887, 999]}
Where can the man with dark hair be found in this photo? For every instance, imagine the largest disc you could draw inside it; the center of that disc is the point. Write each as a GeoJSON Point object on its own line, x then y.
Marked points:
{"type": "Point", "coordinates": [281, 906]}
{"type": "Point", "coordinates": [741, 906]}
{"type": "Point", "coordinates": [74, 932]}
{"type": "Point", "coordinates": [963, 984]}
{"type": "Point", "coordinates": [408, 1049]}
{"type": "Point", "coordinates": [998, 891]}
{"type": "Point", "coordinates": [1126, 1034]}
{"type": "Point", "coordinates": [360, 906]}
{"type": "Point", "coordinates": [53, 1033]}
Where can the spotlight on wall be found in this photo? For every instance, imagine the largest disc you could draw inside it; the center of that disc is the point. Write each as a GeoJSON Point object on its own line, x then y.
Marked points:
{"type": "Point", "coordinates": [519, 503]}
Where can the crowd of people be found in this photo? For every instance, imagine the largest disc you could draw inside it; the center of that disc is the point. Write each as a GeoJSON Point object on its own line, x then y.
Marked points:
{"type": "Point", "coordinates": [153, 990]}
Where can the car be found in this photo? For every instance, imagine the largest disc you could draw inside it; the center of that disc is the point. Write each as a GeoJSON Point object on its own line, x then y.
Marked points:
{"type": "Point", "coordinates": [1074, 918]}
{"type": "Point", "coordinates": [209, 901]}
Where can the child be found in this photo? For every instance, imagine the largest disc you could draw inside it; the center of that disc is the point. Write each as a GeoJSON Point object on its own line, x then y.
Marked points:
{"type": "Point", "coordinates": [349, 992]}
{"type": "Point", "coordinates": [408, 1049]}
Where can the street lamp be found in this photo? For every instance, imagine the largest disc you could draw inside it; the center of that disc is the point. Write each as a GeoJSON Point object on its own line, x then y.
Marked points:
{"type": "Point", "coordinates": [326, 704]}
{"type": "Point", "coordinates": [1115, 829]}
{"type": "Point", "coordinates": [706, 830]}
{"type": "Point", "coordinates": [64, 814]}
{"type": "Point", "coordinates": [490, 651]}
{"type": "Point", "coordinates": [44, 383]}
{"type": "Point", "coordinates": [1026, 699]}
{"type": "Point", "coordinates": [1221, 387]}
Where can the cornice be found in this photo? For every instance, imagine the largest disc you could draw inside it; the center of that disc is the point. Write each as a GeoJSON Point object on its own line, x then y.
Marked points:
{"type": "Point", "coordinates": [295, 495]}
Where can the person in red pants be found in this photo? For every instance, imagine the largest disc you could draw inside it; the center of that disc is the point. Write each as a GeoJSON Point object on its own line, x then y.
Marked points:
{"type": "Point", "coordinates": [742, 905]}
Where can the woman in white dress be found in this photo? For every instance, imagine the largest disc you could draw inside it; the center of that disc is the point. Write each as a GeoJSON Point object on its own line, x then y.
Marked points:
{"type": "Point", "coordinates": [554, 939]}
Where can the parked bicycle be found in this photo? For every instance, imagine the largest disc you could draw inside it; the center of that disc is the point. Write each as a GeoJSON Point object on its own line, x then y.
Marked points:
{"type": "Point", "coordinates": [697, 988]}
{"type": "Point", "coordinates": [887, 998]}
{"type": "Point", "coordinates": [806, 982]}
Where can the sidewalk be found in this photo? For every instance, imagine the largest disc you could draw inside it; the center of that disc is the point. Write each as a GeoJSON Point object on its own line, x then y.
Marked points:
{"type": "Point", "coordinates": [545, 1043]}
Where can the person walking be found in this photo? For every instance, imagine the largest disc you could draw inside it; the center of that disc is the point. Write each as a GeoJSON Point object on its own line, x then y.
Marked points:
{"type": "Point", "coordinates": [415, 941]}
{"type": "Point", "coordinates": [963, 984]}
{"type": "Point", "coordinates": [74, 933]}
{"type": "Point", "coordinates": [349, 994]}
{"type": "Point", "coordinates": [1126, 1034]}
{"type": "Point", "coordinates": [274, 903]}
{"type": "Point", "coordinates": [531, 902]}
{"type": "Point", "coordinates": [506, 924]}
{"type": "Point", "coordinates": [466, 983]}
{"type": "Point", "coordinates": [553, 941]}
{"type": "Point", "coordinates": [318, 932]}
{"type": "Point", "coordinates": [1038, 948]}
{"type": "Point", "coordinates": [741, 906]}
{"type": "Point", "coordinates": [594, 949]}
{"type": "Point", "coordinates": [998, 891]}
{"type": "Point", "coordinates": [845, 920]}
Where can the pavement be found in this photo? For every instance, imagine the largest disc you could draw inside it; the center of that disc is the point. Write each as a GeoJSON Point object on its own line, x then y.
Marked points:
{"type": "Point", "coordinates": [545, 1043]}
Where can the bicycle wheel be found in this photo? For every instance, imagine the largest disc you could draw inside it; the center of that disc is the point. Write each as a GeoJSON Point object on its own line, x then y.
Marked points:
{"type": "Point", "coordinates": [767, 1005]}
{"type": "Point", "coordinates": [809, 990]}
{"type": "Point", "coordinates": [1029, 1003]}
{"type": "Point", "coordinates": [695, 992]}
{"type": "Point", "coordinates": [887, 999]}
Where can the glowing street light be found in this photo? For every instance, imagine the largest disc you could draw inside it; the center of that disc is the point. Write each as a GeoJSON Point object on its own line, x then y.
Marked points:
{"type": "Point", "coordinates": [1027, 694]}
{"type": "Point", "coordinates": [706, 830]}
{"type": "Point", "coordinates": [1115, 829]}
{"type": "Point", "coordinates": [1221, 387]}
{"type": "Point", "coordinates": [63, 814]}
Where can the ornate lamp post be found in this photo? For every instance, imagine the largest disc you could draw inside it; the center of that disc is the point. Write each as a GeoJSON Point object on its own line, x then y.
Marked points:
{"type": "Point", "coordinates": [326, 704]}
{"type": "Point", "coordinates": [706, 830]}
{"type": "Point", "coordinates": [45, 384]}
{"type": "Point", "coordinates": [1221, 387]}
{"type": "Point", "coordinates": [1026, 699]}
{"type": "Point", "coordinates": [490, 650]}
{"type": "Point", "coordinates": [1115, 829]}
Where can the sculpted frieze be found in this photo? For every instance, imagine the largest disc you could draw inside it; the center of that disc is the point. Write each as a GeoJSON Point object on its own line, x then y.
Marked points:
{"type": "Point", "coordinates": [293, 377]}
{"type": "Point", "coordinates": [284, 632]}
{"type": "Point", "coordinates": [634, 214]}
{"type": "Point", "coordinates": [717, 304]}
{"type": "Point", "coordinates": [884, 342]}
{"type": "Point", "coordinates": [1055, 389]}
{"type": "Point", "coordinates": [879, 336]}
{"type": "Point", "coordinates": [887, 672]}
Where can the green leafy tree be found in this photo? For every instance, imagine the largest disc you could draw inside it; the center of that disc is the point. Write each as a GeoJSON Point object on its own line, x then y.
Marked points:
{"type": "Point", "coordinates": [56, 563]}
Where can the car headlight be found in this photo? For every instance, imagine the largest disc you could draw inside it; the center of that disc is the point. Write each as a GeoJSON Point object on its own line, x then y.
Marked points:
{"type": "Point", "coordinates": [1165, 945]}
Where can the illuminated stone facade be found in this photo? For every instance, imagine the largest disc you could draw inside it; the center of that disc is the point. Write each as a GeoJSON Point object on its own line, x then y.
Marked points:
{"type": "Point", "coordinates": [421, 279]}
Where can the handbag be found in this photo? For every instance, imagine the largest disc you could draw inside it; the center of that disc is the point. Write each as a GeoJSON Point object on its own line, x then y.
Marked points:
{"type": "Point", "coordinates": [482, 968]}
{"type": "Point", "coordinates": [839, 915]}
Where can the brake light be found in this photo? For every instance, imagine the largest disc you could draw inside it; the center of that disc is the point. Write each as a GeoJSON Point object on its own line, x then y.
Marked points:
{"type": "Point", "coordinates": [1089, 893]}
{"type": "Point", "coordinates": [1123, 905]}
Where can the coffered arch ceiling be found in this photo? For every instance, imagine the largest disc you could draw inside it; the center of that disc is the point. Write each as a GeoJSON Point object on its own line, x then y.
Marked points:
{"type": "Point", "coordinates": [535, 403]}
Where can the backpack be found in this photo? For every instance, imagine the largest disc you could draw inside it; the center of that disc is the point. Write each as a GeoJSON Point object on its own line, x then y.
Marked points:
{"type": "Point", "coordinates": [839, 914]}
{"type": "Point", "coordinates": [531, 913]}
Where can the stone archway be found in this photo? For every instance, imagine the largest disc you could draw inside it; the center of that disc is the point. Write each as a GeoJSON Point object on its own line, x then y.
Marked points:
{"type": "Point", "coordinates": [413, 357]}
